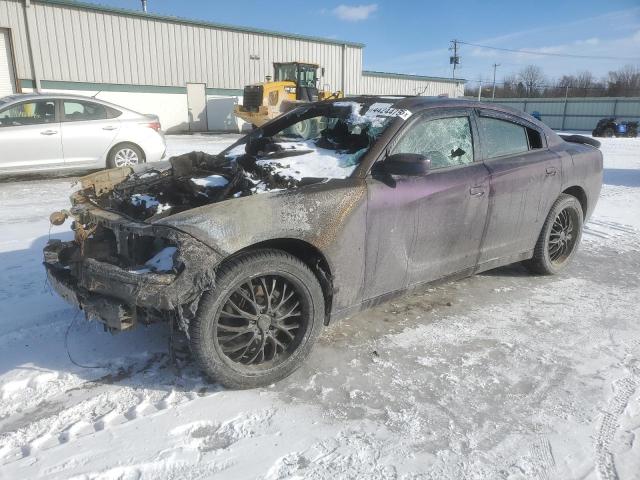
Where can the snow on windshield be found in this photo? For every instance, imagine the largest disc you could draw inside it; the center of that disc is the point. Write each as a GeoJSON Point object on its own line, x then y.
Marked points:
{"type": "Point", "coordinates": [324, 146]}
{"type": "Point", "coordinates": [313, 161]}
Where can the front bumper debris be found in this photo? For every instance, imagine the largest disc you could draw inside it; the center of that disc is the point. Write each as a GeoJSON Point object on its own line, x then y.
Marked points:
{"type": "Point", "coordinates": [118, 295]}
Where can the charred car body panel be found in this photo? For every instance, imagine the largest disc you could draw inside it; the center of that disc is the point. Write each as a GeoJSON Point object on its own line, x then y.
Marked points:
{"type": "Point", "coordinates": [367, 235]}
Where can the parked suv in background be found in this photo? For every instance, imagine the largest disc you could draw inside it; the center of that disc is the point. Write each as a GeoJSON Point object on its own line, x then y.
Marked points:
{"type": "Point", "coordinates": [54, 131]}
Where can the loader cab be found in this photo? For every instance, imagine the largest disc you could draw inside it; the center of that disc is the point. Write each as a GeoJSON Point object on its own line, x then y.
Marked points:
{"type": "Point", "coordinates": [304, 75]}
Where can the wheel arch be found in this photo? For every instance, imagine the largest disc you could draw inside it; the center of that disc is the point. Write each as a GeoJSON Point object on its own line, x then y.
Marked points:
{"type": "Point", "coordinates": [308, 254]}
{"type": "Point", "coordinates": [579, 193]}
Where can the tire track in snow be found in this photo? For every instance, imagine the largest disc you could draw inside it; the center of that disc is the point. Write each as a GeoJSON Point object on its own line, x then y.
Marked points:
{"type": "Point", "coordinates": [543, 458]}
{"type": "Point", "coordinates": [609, 424]}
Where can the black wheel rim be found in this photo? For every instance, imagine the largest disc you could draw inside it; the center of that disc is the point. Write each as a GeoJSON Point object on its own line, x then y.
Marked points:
{"type": "Point", "coordinates": [562, 238]}
{"type": "Point", "coordinates": [262, 321]}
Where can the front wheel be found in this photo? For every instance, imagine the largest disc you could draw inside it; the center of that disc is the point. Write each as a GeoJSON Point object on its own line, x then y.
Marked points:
{"type": "Point", "coordinates": [559, 238]}
{"type": "Point", "coordinates": [260, 321]}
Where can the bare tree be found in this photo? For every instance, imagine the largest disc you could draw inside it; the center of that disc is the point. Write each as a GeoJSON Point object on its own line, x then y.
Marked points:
{"type": "Point", "coordinates": [532, 78]}
{"type": "Point", "coordinates": [624, 81]}
{"type": "Point", "coordinates": [509, 86]}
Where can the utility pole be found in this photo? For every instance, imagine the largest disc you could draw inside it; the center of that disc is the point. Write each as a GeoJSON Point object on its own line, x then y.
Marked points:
{"type": "Point", "coordinates": [493, 95]}
{"type": "Point", "coordinates": [480, 90]}
{"type": "Point", "coordinates": [454, 59]}
{"type": "Point", "coordinates": [144, 6]}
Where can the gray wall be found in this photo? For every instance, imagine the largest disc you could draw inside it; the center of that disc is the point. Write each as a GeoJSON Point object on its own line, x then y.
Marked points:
{"type": "Point", "coordinates": [575, 113]}
{"type": "Point", "coordinates": [86, 44]}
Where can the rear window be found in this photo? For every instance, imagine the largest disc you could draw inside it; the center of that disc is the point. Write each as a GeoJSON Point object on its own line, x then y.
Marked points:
{"type": "Point", "coordinates": [113, 113]}
{"type": "Point", "coordinates": [502, 137]}
{"type": "Point", "coordinates": [76, 111]}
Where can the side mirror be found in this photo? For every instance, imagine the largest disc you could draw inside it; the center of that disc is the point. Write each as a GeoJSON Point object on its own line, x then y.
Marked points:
{"type": "Point", "coordinates": [407, 164]}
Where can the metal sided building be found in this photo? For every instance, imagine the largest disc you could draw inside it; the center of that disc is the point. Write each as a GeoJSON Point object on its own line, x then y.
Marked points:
{"type": "Point", "coordinates": [190, 73]}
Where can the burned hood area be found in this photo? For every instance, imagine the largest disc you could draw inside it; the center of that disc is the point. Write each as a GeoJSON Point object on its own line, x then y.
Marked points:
{"type": "Point", "coordinates": [307, 146]}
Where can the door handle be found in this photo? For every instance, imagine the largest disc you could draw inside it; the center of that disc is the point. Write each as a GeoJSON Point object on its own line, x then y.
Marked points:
{"type": "Point", "coordinates": [551, 170]}
{"type": "Point", "coordinates": [48, 132]}
{"type": "Point", "coordinates": [476, 191]}
{"type": "Point", "coordinates": [109, 127]}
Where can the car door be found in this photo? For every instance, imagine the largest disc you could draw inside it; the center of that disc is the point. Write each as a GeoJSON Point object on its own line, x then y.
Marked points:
{"type": "Point", "coordinates": [30, 135]}
{"type": "Point", "coordinates": [421, 228]}
{"type": "Point", "coordinates": [87, 131]}
{"type": "Point", "coordinates": [525, 181]}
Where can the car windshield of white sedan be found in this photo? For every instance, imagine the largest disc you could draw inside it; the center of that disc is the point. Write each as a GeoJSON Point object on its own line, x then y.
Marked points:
{"type": "Point", "coordinates": [327, 146]}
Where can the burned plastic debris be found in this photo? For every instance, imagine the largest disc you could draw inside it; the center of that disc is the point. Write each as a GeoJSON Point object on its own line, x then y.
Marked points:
{"type": "Point", "coordinates": [189, 181]}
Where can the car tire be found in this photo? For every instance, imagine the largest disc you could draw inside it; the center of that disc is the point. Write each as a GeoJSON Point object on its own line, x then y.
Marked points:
{"type": "Point", "coordinates": [559, 238]}
{"type": "Point", "coordinates": [125, 155]}
{"type": "Point", "coordinates": [609, 132]}
{"type": "Point", "coordinates": [241, 335]}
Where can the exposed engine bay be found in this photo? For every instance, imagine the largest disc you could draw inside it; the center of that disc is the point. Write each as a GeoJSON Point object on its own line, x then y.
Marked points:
{"type": "Point", "coordinates": [285, 160]}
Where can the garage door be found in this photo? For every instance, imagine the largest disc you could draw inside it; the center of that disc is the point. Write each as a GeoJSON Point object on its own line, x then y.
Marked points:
{"type": "Point", "coordinates": [7, 82]}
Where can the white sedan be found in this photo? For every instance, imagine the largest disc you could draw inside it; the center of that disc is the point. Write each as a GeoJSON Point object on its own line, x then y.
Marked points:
{"type": "Point", "coordinates": [54, 131]}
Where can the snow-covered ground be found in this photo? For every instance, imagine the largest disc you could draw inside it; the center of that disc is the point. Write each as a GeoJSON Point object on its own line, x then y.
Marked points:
{"type": "Point", "coordinates": [502, 375]}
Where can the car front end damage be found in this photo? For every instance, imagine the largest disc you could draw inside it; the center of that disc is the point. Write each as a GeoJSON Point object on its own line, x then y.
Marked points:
{"type": "Point", "coordinates": [148, 238]}
{"type": "Point", "coordinates": [123, 272]}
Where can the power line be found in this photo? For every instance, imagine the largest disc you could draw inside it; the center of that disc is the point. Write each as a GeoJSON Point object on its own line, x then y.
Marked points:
{"type": "Point", "coordinates": [530, 52]}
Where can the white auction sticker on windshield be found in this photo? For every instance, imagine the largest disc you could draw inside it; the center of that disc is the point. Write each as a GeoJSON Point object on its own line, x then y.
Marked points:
{"type": "Point", "coordinates": [387, 110]}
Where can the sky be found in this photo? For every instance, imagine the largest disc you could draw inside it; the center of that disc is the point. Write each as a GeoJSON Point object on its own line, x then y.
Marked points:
{"type": "Point", "coordinates": [414, 36]}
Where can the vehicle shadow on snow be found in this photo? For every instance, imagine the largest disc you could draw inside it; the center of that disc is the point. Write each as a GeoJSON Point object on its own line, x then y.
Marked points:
{"type": "Point", "coordinates": [513, 270]}
{"type": "Point", "coordinates": [622, 177]}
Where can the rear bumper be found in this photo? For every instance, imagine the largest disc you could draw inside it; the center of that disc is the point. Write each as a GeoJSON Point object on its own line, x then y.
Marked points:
{"type": "Point", "coordinates": [120, 298]}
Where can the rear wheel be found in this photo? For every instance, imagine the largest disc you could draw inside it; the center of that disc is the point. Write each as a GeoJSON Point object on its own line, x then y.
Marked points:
{"type": "Point", "coordinates": [609, 132]}
{"type": "Point", "coordinates": [125, 155]}
{"type": "Point", "coordinates": [260, 322]}
{"type": "Point", "coordinates": [559, 238]}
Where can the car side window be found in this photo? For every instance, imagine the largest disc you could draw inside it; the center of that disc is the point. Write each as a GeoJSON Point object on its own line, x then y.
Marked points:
{"type": "Point", "coordinates": [501, 137]}
{"type": "Point", "coordinates": [446, 141]}
{"type": "Point", "coordinates": [29, 113]}
{"type": "Point", "coordinates": [76, 111]}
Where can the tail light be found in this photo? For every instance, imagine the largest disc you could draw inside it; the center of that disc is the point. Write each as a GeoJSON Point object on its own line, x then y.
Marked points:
{"type": "Point", "coordinates": [155, 125]}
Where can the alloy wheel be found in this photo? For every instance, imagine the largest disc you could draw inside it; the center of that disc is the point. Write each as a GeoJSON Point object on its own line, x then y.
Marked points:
{"type": "Point", "coordinates": [562, 238]}
{"type": "Point", "coordinates": [262, 321]}
{"type": "Point", "coordinates": [125, 157]}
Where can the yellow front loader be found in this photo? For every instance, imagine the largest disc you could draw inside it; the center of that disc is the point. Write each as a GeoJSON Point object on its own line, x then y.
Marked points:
{"type": "Point", "coordinates": [293, 83]}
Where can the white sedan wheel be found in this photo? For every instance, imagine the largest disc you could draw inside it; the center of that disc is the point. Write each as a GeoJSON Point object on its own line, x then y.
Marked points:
{"type": "Point", "coordinates": [126, 157]}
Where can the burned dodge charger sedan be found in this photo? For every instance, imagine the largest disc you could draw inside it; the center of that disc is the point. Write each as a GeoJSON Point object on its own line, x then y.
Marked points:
{"type": "Point", "coordinates": [324, 211]}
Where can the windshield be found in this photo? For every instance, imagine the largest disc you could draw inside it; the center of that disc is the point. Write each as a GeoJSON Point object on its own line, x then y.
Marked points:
{"type": "Point", "coordinates": [328, 145]}
{"type": "Point", "coordinates": [286, 71]}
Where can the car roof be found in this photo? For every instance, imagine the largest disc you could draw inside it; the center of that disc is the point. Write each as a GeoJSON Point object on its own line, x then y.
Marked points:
{"type": "Point", "coordinates": [418, 103]}
{"type": "Point", "coordinates": [20, 97]}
